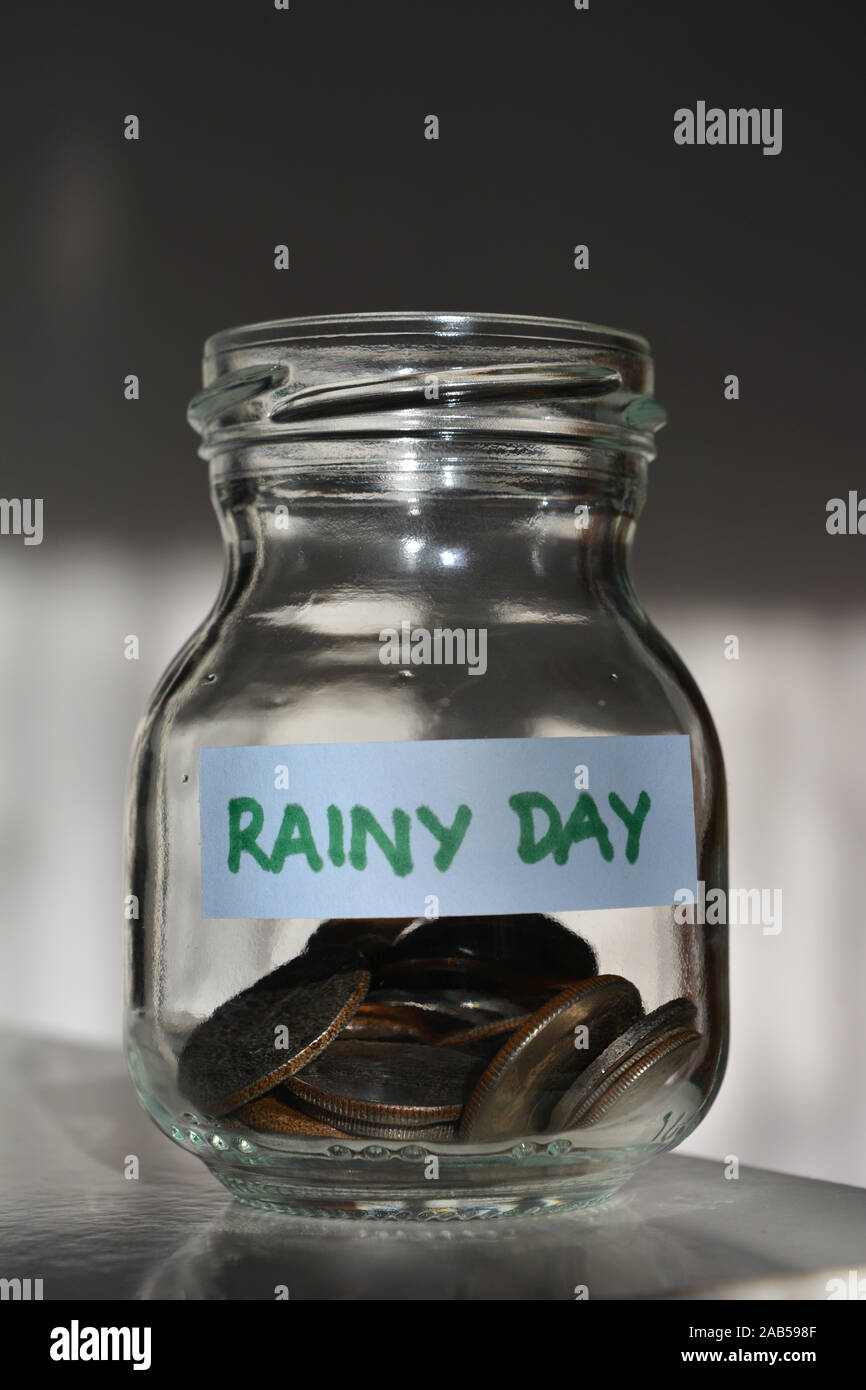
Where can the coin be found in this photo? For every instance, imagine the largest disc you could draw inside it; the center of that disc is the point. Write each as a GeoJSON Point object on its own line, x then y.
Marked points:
{"type": "Point", "coordinates": [372, 936]}
{"type": "Point", "coordinates": [485, 1040]}
{"type": "Point", "coordinates": [237, 1054]}
{"type": "Point", "coordinates": [527, 942]}
{"type": "Point", "coordinates": [387, 1085]}
{"type": "Point", "coordinates": [640, 1075]}
{"type": "Point", "coordinates": [677, 1015]}
{"type": "Point", "coordinates": [447, 1011]}
{"type": "Point", "coordinates": [465, 973]}
{"type": "Point", "coordinates": [270, 1114]}
{"type": "Point", "coordinates": [376, 1022]}
{"type": "Point", "coordinates": [526, 1078]}
{"type": "Point", "coordinates": [445, 1133]}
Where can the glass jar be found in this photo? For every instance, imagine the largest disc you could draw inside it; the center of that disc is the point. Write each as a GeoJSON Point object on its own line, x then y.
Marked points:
{"type": "Point", "coordinates": [416, 811]}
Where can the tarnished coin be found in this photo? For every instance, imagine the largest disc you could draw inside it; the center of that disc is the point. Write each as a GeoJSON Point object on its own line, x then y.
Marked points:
{"type": "Point", "coordinates": [528, 1075]}
{"type": "Point", "coordinates": [481, 977]}
{"type": "Point", "coordinates": [526, 942]}
{"type": "Point", "coordinates": [484, 1041]}
{"type": "Point", "coordinates": [637, 1078]}
{"type": "Point", "coordinates": [372, 936]}
{"type": "Point", "coordinates": [271, 1115]}
{"type": "Point", "coordinates": [449, 1010]}
{"type": "Point", "coordinates": [271, 1030]}
{"type": "Point", "coordinates": [356, 1085]}
{"type": "Point", "coordinates": [389, 1023]}
{"type": "Point", "coordinates": [677, 1015]}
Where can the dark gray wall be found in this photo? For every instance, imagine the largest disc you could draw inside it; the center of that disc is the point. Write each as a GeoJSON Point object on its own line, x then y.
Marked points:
{"type": "Point", "coordinates": [306, 127]}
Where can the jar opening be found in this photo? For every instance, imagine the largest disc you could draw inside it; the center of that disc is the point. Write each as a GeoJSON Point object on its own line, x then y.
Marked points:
{"type": "Point", "coordinates": [422, 374]}
{"type": "Point", "coordinates": [420, 324]}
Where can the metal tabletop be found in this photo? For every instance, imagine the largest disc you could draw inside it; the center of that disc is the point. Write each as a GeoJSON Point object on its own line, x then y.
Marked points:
{"type": "Point", "coordinates": [69, 1216]}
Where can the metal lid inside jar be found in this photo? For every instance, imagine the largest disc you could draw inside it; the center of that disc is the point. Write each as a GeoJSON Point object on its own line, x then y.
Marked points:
{"type": "Point", "coordinates": [427, 374]}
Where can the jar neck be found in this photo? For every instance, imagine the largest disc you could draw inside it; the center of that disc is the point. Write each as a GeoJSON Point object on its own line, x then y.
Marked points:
{"type": "Point", "coordinates": [443, 530]}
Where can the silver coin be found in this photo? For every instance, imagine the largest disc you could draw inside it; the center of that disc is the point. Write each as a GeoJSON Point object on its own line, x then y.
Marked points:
{"type": "Point", "coordinates": [635, 1079]}
{"type": "Point", "coordinates": [449, 1010]}
{"type": "Point", "coordinates": [360, 1086]}
{"type": "Point", "coordinates": [445, 1133]}
{"type": "Point", "coordinates": [675, 1014]}
{"type": "Point", "coordinates": [464, 973]}
{"type": "Point", "coordinates": [518, 1090]}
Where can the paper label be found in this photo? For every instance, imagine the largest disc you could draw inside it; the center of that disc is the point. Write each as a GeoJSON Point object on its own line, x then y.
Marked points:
{"type": "Point", "coordinates": [446, 827]}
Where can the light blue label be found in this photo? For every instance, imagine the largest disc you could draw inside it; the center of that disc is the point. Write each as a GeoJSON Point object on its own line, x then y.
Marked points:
{"type": "Point", "coordinates": [446, 827]}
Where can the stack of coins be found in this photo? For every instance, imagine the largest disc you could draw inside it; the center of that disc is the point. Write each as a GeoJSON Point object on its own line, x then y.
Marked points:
{"type": "Point", "coordinates": [463, 1029]}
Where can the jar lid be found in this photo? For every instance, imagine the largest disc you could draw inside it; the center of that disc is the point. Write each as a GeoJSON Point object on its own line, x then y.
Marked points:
{"type": "Point", "coordinates": [427, 374]}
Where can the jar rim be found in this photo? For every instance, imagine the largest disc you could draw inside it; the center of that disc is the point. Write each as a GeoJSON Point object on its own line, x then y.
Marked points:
{"type": "Point", "coordinates": [391, 375]}
{"type": "Point", "coordinates": [435, 323]}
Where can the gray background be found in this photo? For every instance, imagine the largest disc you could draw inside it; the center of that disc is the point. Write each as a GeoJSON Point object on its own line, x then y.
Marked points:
{"type": "Point", "coordinates": [261, 127]}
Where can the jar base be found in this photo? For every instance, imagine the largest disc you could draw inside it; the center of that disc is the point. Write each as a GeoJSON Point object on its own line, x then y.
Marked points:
{"type": "Point", "coordinates": [272, 1195]}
